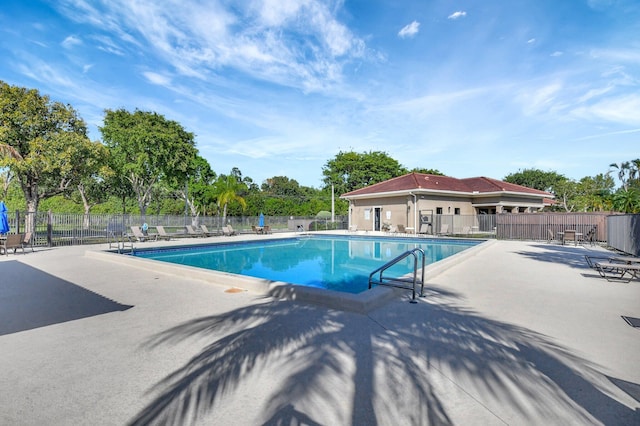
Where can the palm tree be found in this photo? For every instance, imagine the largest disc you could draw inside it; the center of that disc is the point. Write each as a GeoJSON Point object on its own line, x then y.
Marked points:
{"type": "Point", "coordinates": [627, 201]}
{"type": "Point", "coordinates": [624, 169]}
{"type": "Point", "coordinates": [226, 191]}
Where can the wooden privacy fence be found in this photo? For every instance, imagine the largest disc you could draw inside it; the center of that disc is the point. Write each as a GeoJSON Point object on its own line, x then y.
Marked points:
{"type": "Point", "coordinates": [536, 226]}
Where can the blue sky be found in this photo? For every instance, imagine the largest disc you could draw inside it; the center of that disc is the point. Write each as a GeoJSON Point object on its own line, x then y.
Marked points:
{"type": "Point", "coordinates": [279, 87]}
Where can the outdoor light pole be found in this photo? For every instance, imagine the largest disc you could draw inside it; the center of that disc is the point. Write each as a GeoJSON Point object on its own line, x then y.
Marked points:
{"type": "Point", "coordinates": [333, 206]}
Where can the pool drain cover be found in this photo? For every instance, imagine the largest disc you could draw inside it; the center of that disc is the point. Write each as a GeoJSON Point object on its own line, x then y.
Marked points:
{"type": "Point", "coordinates": [633, 322]}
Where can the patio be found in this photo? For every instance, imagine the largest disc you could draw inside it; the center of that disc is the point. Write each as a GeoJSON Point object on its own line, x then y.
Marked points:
{"type": "Point", "coordinates": [517, 333]}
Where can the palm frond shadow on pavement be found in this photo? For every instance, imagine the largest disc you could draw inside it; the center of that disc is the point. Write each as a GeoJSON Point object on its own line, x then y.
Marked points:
{"type": "Point", "coordinates": [336, 367]}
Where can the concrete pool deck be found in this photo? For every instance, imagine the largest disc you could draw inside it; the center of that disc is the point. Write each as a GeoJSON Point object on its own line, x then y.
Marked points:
{"type": "Point", "coordinates": [517, 333]}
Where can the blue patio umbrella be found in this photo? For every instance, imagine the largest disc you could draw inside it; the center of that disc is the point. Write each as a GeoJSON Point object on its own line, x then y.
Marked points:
{"type": "Point", "coordinates": [261, 221]}
{"type": "Point", "coordinates": [4, 221]}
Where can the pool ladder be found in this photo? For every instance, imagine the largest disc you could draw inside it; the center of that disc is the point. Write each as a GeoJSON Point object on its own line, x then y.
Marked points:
{"type": "Point", "coordinates": [401, 282]}
{"type": "Point", "coordinates": [121, 243]}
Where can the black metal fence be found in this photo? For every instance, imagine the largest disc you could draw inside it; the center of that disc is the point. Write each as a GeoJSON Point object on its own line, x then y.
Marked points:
{"type": "Point", "coordinates": [61, 229]}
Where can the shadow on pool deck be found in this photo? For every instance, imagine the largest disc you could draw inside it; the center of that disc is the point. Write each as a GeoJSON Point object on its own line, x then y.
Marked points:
{"type": "Point", "coordinates": [30, 298]}
{"type": "Point", "coordinates": [395, 365]}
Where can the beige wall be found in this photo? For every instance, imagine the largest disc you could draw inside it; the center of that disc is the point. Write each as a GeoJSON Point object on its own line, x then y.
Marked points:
{"type": "Point", "coordinates": [402, 211]}
{"type": "Point", "coordinates": [393, 211]}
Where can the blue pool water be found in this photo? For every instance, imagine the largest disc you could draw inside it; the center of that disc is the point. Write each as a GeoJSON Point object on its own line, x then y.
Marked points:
{"type": "Point", "coordinates": [341, 263]}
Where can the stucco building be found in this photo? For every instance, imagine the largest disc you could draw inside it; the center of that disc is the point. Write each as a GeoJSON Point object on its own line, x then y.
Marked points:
{"type": "Point", "coordinates": [423, 202]}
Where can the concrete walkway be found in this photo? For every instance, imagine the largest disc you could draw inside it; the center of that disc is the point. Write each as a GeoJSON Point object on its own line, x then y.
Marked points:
{"type": "Point", "coordinates": [518, 333]}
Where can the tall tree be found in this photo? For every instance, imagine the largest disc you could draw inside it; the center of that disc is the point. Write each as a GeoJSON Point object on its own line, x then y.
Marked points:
{"type": "Point", "coordinates": [43, 143]}
{"type": "Point", "coordinates": [426, 171]}
{"type": "Point", "coordinates": [535, 178]}
{"type": "Point", "coordinates": [349, 171]}
{"type": "Point", "coordinates": [146, 149]}
{"type": "Point", "coordinates": [198, 192]}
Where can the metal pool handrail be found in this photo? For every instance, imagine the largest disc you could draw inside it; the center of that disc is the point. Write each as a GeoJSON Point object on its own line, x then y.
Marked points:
{"type": "Point", "coordinates": [401, 282]}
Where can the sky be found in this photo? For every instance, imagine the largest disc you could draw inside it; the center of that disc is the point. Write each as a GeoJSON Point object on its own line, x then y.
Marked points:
{"type": "Point", "coordinates": [280, 87]}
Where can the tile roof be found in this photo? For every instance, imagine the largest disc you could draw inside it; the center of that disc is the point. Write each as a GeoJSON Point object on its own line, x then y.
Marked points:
{"type": "Point", "coordinates": [426, 182]}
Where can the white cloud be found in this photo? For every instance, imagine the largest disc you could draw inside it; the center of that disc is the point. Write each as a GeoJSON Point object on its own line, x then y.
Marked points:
{"type": "Point", "coordinates": [531, 41]}
{"type": "Point", "coordinates": [457, 15]}
{"type": "Point", "coordinates": [155, 78]}
{"type": "Point", "coordinates": [285, 42]}
{"type": "Point", "coordinates": [70, 42]}
{"type": "Point", "coordinates": [409, 30]}
{"type": "Point", "coordinates": [556, 53]}
{"type": "Point", "coordinates": [86, 68]}
{"type": "Point", "coordinates": [540, 99]}
{"type": "Point", "coordinates": [622, 109]}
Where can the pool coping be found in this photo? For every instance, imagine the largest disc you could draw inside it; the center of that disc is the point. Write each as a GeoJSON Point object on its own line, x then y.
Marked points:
{"type": "Point", "coordinates": [361, 303]}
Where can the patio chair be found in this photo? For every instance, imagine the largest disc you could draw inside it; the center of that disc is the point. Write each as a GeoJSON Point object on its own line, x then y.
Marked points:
{"type": "Point", "coordinates": [401, 229]}
{"type": "Point", "coordinates": [256, 229]}
{"type": "Point", "coordinates": [466, 230]}
{"type": "Point", "coordinates": [550, 237]}
{"type": "Point", "coordinates": [590, 236]}
{"type": "Point", "coordinates": [444, 229]}
{"type": "Point", "coordinates": [193, 233]}
{"type": "Point", "coordinates": [12, 241]}
{"type": "Point", "coordinates": [569, 235]}
{"type": "Point", "coordinates": [27, 241]}
{"type": "Point", "coordinates": [266, 229]}
{"type": "Point", "coordinates": [141, 236]}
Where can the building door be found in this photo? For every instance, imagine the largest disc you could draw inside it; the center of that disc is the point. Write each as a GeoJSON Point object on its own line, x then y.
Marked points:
{"type": "Point", "coordinates": [376, 218]}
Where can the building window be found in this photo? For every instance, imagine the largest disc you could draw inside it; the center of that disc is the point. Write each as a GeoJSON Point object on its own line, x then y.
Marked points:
{"type": "Point", "coordinates": [438, 210]}
{"type": "Point", "coordinates": [456, 210]}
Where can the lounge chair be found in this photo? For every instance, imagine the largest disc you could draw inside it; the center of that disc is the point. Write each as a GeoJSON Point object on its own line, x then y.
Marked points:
{"type": "Point", "coordinates": [401, 229]}
{"type": "Point", "coordinates": [140, 236]}
{"type": "Point", "coordinates": [466, 230]}
{"type": "Point", "coordinates": [233, 231]}
{"type": "Point", "coordinates": [256, 229]}
{"type": "Point", "coordinates": [206, 231]}
{"type": "Point", "coordinates": [592, 260]}
{"type": "Point", "coordinates": [13, 241]}
{"type": "Point", "coordinates": [227, 231]}
{"type": "Point", "coordinates": [193, 233]}
{"type": "Point", "coordinates": [162, 234]}
{"type": "Point", "coordinates": [444, 229]}
{"type": "Point", "coordinates": [266, 229]}
{"type": "Point", "coordinates": [618, 271]}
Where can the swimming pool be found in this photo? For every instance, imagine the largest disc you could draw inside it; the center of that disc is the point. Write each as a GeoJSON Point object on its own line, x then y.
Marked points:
{"type": "Point", "coordinates": [341, 263]}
